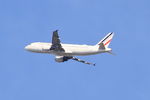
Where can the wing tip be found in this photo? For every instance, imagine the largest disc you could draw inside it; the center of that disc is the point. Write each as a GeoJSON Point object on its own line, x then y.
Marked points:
{"type": "Point", "coordinates": [56, 30]}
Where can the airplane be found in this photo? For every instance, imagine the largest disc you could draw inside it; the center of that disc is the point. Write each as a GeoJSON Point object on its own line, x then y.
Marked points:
{"type": "Point", "coordinates": [65, 52]}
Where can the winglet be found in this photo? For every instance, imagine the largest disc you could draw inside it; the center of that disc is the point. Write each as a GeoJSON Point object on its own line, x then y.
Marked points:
{"type": "Point", "coordinates": [56, 31]}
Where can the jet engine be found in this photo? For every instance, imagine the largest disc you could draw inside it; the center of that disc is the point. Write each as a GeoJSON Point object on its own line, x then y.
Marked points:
{"type": "Point", "coordinates": [62, 58]}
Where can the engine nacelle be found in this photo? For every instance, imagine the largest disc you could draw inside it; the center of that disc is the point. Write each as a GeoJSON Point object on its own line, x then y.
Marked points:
{"type": "Point", "coordinates": [62, 58]}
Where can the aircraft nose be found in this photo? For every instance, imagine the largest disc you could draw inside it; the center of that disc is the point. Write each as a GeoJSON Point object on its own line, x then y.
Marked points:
{"type": "Point", "coordinates": [27, 47]}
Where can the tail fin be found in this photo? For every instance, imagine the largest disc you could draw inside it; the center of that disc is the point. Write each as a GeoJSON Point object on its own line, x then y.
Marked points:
{"type": "Point", "coordinates": [104, 43]}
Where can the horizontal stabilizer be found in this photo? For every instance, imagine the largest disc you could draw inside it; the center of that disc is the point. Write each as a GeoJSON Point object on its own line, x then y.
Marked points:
{"type": "Point", "coordinates": [101, 46]}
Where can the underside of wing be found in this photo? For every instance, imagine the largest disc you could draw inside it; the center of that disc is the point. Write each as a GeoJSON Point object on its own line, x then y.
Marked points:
{"type": "Point", "coordinates": [82, 61]}
{"type": "Point", "coordinates": [66, 58]}
{"type": "Point", "coordinates": [56, 45]}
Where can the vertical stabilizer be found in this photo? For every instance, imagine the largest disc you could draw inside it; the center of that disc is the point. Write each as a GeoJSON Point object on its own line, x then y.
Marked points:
{"type": "Point", "coordinates": [104, 43]}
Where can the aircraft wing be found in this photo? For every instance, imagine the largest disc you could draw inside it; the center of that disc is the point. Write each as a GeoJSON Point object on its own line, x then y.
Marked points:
{"type": "Point", "coordinates": [82, 61]}
{"type": "Point", "coordinates": [66, 58]}
{"type": "Point", "coordinates": [56, 45]}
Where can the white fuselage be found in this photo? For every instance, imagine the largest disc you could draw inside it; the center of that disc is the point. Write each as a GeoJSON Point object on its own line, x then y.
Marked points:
{"type": "Point", "coordinates": [70, 49]}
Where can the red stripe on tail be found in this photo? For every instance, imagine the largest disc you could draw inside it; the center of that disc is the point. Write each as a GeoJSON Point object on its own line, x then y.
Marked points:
{"type": "Point", "coordinates": [107, 42]}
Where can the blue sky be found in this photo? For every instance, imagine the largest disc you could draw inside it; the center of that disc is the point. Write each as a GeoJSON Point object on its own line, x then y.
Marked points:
{"type": "Point", "coordinates": [31, 76]}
